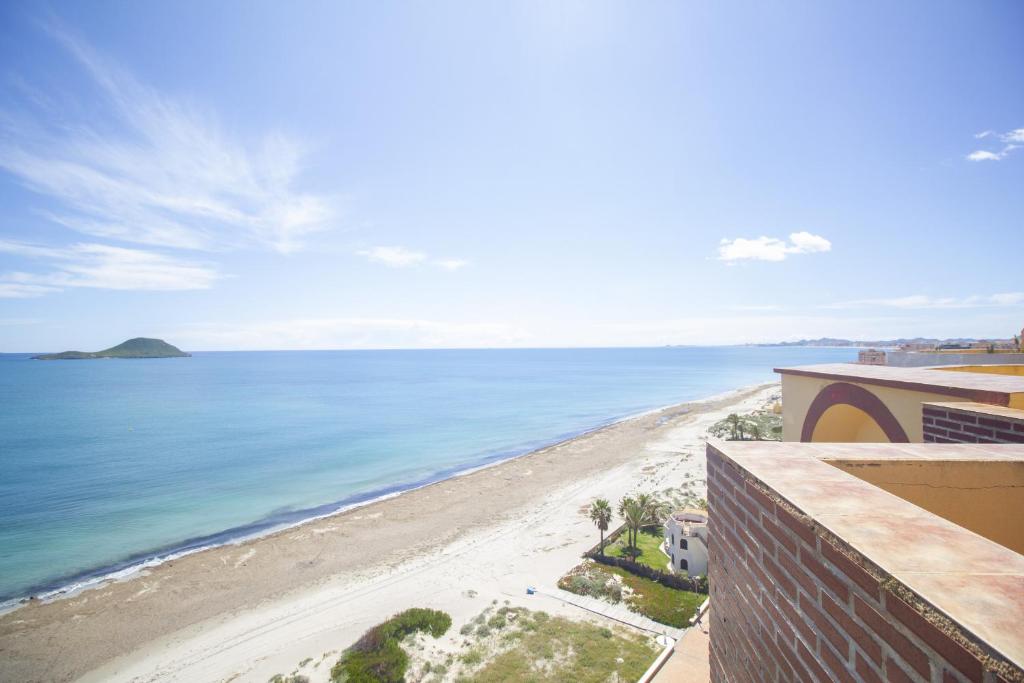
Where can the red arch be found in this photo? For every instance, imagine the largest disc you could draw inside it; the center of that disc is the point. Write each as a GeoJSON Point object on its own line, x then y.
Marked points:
{"type": "Point", "coordinates": [858, 397]}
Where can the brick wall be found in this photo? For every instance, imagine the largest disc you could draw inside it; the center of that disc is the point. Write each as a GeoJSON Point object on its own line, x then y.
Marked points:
{"type": "Point", "coordinates": [787, 604]}
{"type": "Point", "coordinates": [946, 424]}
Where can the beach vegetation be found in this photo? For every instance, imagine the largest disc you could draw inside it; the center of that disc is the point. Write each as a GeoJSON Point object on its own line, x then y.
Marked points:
{"type": "Point", "coordinates": [760, 425]}
{"type": "Point", "coordinates": [652, 599]}
{"type": "Point", "coordinates": [377, 657]}
{"type": "Point", "coordinates": [601, 516]}
{"type": "Point", "coordinates": [534, 646]}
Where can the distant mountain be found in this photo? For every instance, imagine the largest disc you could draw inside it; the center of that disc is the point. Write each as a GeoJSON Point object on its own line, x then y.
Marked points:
{"type": "Point", "coordinates": [140, 347]}
{"type": "Point", "coordinates": [829, 341]}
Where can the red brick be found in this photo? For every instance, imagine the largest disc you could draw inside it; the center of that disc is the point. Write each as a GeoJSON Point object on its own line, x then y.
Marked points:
{"type": "Point", "coordinates": [838, 667]}
{"type": "Point", "coordinates": [866, 671]}
{"type": "Point", "coordinates": [860, 636]}
{"type": "Point", "coordinates": [1010, 437]}
{"type": "Point", "coordinates": [836, 585]}
{"type": "Point", "coordinates": [952, 651]}
{"type": "Point", "coordinates": [934, 412]}
{"type": "Point", "coordinates": [853, 571]}
{"type": "Point", "coordinates": [760, 496]}
{"type": "Point", "coordinates": [1018, 426]}
{"type": "Point", "coordinates": [782, 580]}
{"type": "Point", "coordinates": [797, 573]}
{"type": "Point", "coordinates": [798, 621]}
{"type": "Point", "coordinates": [800, 672]}
{"type": "Point", "coordinates": [761, 537]}
{"type": "Point", "coordinates": [812, 663]}
{"type": "Point", "coordinates": [954, 426]}
{"type": "Point", "coordinates": [910, 653]}
{"type": "Point", "coordinates": [778, 533]}
{"type": "Point", "coordinates": [962, 417]}
{"type": "Point", "coordinates": [980, 431]}
{"type": "Point", "coordinates": [997, 424]}
{"type": "Point", "coordinates": [795, 525]}
{"type": "Point", "coordinates": [894, 674]}
{"type": "Point", "coordinates": [809, 607]}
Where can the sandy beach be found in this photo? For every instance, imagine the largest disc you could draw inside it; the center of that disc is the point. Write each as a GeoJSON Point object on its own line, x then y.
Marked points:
{"type": "Point", "coordinates": [248, 611]}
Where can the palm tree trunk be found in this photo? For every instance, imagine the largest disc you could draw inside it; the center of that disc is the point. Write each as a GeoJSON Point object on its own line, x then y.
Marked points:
{"type": "Point", "coordinates": [602, 542]}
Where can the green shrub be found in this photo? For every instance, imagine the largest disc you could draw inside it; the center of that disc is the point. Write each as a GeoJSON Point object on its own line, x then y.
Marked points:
{"type": "Point", "coordinates": [377, 656]}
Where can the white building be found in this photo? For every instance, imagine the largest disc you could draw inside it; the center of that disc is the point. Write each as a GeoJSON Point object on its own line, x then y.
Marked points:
{"type": "Point", "coordinates": [686, 541]}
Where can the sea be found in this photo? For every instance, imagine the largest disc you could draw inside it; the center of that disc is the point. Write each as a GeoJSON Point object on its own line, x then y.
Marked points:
{"type": "Point", "coordinates": [110, 466]}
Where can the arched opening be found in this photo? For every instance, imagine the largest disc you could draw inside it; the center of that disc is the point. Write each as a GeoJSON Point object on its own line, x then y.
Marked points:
{"type": "Point", "coordinates": [683, 564]}
{"type": "Point", "coordinates": [843, 423]}
{"type": "Point", "coordinates": [844, 412]}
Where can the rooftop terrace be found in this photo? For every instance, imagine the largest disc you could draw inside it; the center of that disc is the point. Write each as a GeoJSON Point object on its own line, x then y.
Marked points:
{"type": "Point", "coordinates": [963, 382]}
{"type": "Point", "coordinates": [918, 543]}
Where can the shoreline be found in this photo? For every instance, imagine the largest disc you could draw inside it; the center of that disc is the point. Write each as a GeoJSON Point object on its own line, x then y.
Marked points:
{"type": "Point", "coordinates": [74, 584]}
{"type": "Point", "coordinates": [251, 608]}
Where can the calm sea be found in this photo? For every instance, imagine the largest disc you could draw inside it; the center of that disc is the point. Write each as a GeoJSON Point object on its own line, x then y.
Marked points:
{"type": "Point", "coordinates": [108, 464]}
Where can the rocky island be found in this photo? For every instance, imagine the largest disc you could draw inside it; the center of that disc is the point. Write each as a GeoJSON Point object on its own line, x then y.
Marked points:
{"type": "Point", "coordinates": [140, 347]}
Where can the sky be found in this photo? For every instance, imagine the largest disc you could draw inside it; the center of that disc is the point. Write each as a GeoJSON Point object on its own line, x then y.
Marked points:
{"type": "Point", "coordinates": [321, 175]}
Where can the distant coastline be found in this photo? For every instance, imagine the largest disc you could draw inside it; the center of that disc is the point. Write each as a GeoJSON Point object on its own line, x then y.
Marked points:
{"type": "Point", "coordinates": [878, 343]}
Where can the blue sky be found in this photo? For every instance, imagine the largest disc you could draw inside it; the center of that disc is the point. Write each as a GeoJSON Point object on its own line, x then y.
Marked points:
{"type": "Point", "coordinates": [258, 175]}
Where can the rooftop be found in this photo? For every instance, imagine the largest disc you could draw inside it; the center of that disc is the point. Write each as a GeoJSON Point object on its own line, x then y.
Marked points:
{"type": "Point", "coordinates": [963, 382]}
{"type": "Point", "coordinates": [860, 496]}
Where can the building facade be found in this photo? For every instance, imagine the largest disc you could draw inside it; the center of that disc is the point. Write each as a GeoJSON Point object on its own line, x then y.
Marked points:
{"type": "Point", "coordinates": [686, 542]}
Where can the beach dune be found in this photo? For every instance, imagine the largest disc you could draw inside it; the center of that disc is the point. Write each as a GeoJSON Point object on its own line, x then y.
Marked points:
{"type": "Point", "coordinates": [250, 610]}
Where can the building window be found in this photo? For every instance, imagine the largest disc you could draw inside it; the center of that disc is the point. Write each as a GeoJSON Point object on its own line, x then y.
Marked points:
{"type": "Point", "coordinates": [673, 538]}
{"type": "Point", "coordinates": [683, 565]}
{"type": "Point", "coordinates": [682, 544]}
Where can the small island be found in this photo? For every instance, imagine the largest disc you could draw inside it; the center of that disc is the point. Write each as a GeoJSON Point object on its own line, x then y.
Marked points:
{"type": "Point", "coordinates": [140, 347]}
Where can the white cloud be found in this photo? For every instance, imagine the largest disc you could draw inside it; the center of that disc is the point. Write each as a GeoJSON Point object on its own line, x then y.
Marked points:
{"type": "Point", "coordinates": [984, 155]}
{"type": "Point", "coordinates": [401, 257]}
{"type": "Point", "coordinates": [1012, 140]}
{"type": "Point", "coordinates": [394, 257]}
{"type": "Point", "coordinates": [166, 174]}
{"type": "Point", "coordinates": [451, 263]}
{"type": "Point", "coordinates": [101, 266]}
{"type": "Point", "coordinates": [348, 333]}
{"type": "Point", "coordinates": [1014, 136]}
{"type": "Point", "coordinates": [771, 248]}
{"type": "Point", "coordinates": [921, 301]}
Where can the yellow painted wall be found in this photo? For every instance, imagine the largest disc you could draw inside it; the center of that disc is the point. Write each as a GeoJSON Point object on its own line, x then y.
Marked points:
{"type": "Point", "coordinates": [1013, 370]}
{"type": "Point", "coordinates": [798, 392]}
{"type": "Point", "coordinates": [985, 497]}
{"type": "Point", "coordinates": [846, 424]}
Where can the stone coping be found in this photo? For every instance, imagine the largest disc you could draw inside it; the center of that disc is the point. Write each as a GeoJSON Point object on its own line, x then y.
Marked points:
{"type": "Point", "coordinates": [1005, 390]}
{"type": "Point", "coordinates": [976, 584]}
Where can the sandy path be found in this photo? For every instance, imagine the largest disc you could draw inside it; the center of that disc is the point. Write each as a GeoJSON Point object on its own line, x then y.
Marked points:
{"type": "Point", "coordinates": [248, 611]}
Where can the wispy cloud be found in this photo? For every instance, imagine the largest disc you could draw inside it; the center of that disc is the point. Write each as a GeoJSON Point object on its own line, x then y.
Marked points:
{"type": "Point", "coordinates": [100, 266]}
{"type": "Point", "coordinates": [920, 301]}
{"type": "Point", "coordinates": [771, 248]}
{"type": "Point", "coordinates": [349, 333]}
{"type": "Point", "coordinates": [451, 263]}
{"type": "Point", "coordinates": [1012, 141]}
{"type": "Point", "coordinates": [159, 171]}
{"type": "Point", "coordinates": [401, 257]}
{"type": "Point", "coordinates": [394, 257]}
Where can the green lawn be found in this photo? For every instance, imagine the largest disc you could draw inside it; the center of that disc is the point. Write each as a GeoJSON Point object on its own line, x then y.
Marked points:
{"type": "Point", "coordinates": [649, 541]}
{"type": "Point", "coordinates": [662, 604]}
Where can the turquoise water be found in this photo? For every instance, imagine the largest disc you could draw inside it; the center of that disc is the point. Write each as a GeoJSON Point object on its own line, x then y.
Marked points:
{"type": "Point", "coordinates": [105, 464]}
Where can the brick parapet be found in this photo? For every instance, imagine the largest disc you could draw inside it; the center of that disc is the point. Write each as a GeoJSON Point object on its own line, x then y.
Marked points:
{"type": "Point", "coordinates": [793, 603]}
{"type": "Point", "coordinates": [948, 423]}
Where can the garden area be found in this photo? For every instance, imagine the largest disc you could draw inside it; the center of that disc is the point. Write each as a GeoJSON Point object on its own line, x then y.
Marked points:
{"type": "Point", "coordinates": [647, 550]}
{"type": "Point", "coordinates": [669, 606]}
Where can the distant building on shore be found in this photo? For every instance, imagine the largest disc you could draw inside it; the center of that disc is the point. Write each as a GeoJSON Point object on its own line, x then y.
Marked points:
{"type": "Point", "coordinates": [871, 357]}
{"type": "Point", "coordinates": [686, 538]}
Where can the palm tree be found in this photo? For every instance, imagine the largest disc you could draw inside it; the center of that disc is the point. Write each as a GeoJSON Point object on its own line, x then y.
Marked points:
{"type": "Point", "coordinates": [625, 504]}
{"type": "Point", "coordinates": [735, 427]}
{"type": "Point", "coordinates": [601, 515]}
{"type": "Point", "coordinates": [635, 516]}
{"type": "Point", "coordinates": [755, 432]}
